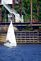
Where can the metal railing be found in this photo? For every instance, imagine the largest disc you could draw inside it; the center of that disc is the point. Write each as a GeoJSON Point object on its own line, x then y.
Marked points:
{"type": "Point", "coordinates": [26, 36]}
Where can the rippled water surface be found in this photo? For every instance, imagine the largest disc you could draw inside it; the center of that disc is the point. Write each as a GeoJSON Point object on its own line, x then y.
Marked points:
{"type": "Point", "coordinates": [27, 52]}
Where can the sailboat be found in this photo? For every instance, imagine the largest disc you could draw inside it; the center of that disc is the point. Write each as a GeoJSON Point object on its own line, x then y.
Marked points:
{"type": "Point", "coordinates": [10, 38]}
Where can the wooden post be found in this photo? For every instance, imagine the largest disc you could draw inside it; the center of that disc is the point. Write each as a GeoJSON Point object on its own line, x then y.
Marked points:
{"type": "Point", "coordinates": [0, 13]}
{"type": "Point", "coordinates": [20, 7]}
{"type": "Point", "coordinates": [31, 9]}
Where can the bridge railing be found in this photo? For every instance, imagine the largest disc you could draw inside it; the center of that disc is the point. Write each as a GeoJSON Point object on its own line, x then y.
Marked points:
{"type": "Point", "coordinates": [24, 36]}
{"type": "Point", "coordinates": [22, 24]}
{"type": "Point", "coordinates": [28, 36]}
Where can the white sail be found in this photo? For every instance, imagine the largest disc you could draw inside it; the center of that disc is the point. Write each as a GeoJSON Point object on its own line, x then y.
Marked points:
{"type": "Point", "coordinates": [10, 37]}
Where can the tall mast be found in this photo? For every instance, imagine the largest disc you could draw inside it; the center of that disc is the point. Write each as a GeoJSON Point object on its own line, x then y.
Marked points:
{"type": "Point", "coordinates": [13, 4]}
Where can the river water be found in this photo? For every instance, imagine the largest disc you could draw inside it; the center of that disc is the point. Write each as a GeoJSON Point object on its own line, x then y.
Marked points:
{"type": "Point", "coordinates": [24, 52]}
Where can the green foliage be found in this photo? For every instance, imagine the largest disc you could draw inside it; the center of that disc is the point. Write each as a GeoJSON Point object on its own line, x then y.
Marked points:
{"type": "Point", "coordinates": [4, 14]}
{"type": "Point", "coordinates": [26, 10]}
